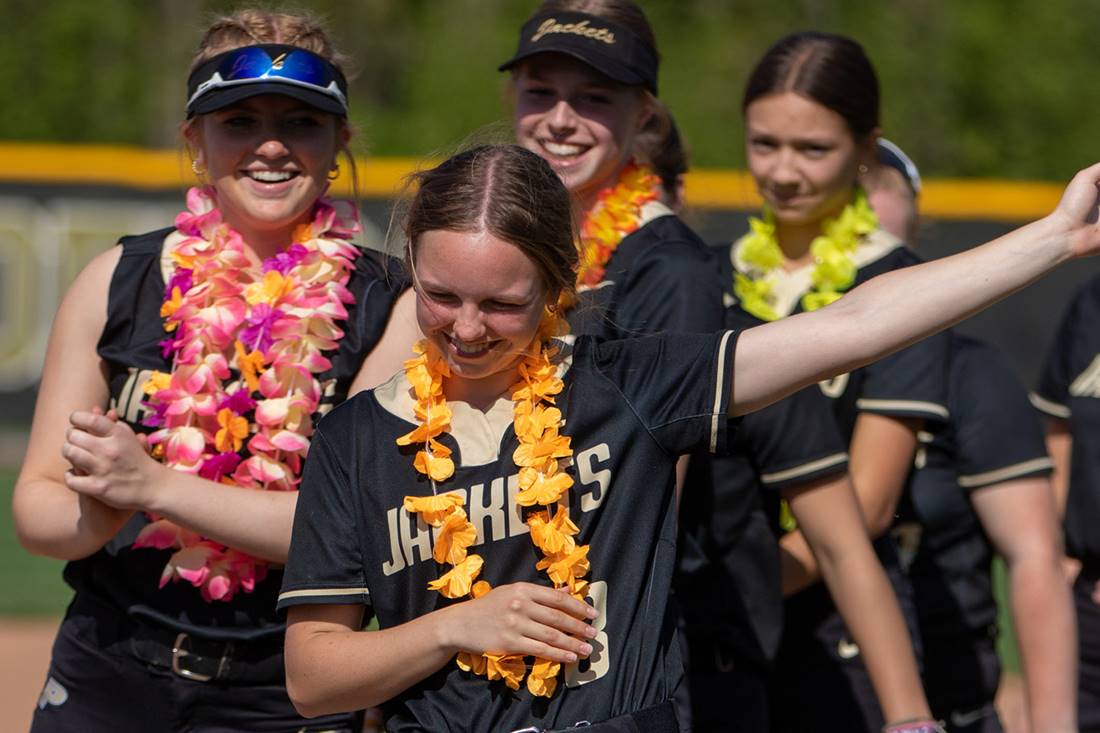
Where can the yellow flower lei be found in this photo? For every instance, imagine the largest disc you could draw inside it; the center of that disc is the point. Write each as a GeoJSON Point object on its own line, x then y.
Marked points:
{"type": "Point", "coordinates": [542, 482]}
{"type": "Point", "coordinates": [833, 273]}
{"type": "Point", "coordinates": [616, 214]}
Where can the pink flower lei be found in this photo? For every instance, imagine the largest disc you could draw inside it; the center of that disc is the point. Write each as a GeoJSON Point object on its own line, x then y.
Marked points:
{"type": "Point", "coordinates": [246, 350]}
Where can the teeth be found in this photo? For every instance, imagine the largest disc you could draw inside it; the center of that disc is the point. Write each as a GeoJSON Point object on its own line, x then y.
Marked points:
{"type": "Point", "coordinates": [564, 150]}
{"type": "Point", "coordinates": [468, 350]}
{"type": "Point", "coordinates": [270, 176]}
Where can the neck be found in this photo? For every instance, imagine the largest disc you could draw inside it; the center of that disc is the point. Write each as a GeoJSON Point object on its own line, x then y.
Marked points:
{"type": "Point", "coordinates": [795, 241]}
{"type": "Point", "coordinates": [481, 394]}
{"type": "Point", "coordinates": [585, 200]}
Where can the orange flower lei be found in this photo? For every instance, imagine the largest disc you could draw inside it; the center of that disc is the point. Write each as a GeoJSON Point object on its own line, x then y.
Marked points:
{"type": "Point", "coordinates": [616, 214]}
{"type": "Point", "coordinates": [542, 482]}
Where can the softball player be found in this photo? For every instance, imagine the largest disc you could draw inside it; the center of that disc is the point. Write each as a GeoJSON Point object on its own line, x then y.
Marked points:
{"type": "Point", "coordinates": [1068, 390]}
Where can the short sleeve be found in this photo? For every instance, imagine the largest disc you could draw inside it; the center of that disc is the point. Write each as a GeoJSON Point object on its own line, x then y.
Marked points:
{"type": "Point", "coordinates": [909, 383]}
{"type": "Point", "coordinates": [325, 564]}
{"type": "Point", "coordinates": [678, 385]}
{"type": "Point", "coordinates": [998, 435]}
{"type": "Point", "coordinates": [1069, 355]}
{"type": "Point", "coordinates": [673, 287]}
{"type": "Point", "coordinates": [794, 441]}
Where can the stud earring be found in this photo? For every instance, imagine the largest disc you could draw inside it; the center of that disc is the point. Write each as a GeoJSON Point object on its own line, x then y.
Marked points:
{"type": "Point", "coordinates": [863, 169]}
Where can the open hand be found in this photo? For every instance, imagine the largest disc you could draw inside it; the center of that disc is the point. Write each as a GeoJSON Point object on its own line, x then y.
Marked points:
{"type": "Point", "coordinates": [109, 461]}
{"type": "Point", "coordinates": [523, 618]}
{"type": "Point", "coordinates": [1079, 211]}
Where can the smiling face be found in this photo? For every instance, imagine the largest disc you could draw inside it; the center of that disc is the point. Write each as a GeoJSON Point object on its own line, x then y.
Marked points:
{"type": "Point", "coordinates": [802, 156]}
{"type": "Point", "coordinates": [578, 120]}
{"type": "Point", "coordinates": [268, 157]}
{"type": "Point", "coordinates": [479, 300]}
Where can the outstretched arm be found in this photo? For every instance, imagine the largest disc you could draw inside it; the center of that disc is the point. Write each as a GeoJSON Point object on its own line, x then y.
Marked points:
{"type": "Point", "coordinates": [873, 320]}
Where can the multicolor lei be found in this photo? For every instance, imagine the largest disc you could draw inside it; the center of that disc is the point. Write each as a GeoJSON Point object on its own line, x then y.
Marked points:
{"type": "Point", "coordinates": [246, 347]}
{"type": "Point", "coordinates": [833, 273]}
{"type": "Point", "coordinates": [617, 213]}
{"type": "Point", "coordinates": [540, 456]}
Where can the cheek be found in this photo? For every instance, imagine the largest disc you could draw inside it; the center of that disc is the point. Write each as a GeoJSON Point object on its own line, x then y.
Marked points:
{"type": "Point", "coordinates": [431, 316]}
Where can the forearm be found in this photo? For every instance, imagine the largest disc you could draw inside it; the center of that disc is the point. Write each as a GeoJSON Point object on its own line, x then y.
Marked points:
{"type": "Point", "coordinates": [866, 602]}
{"type": "Point", "coordinates": [54, 522]}
{"type": "Point", "coordinates": [338, 671]}
{"type": "Point", "coordinates": [1043, 613]}
{"type": "Point", "coordinates": [797, 564]}
{"type": "Point", "coordinates": [253, 521]}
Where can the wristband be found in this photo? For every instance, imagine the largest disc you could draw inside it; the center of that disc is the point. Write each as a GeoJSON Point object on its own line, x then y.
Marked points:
{"type": "Point", "coordinates": [916, 725]}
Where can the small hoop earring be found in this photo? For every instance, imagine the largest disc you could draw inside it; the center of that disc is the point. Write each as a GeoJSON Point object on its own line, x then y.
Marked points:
{"type": "Point", "coordinates": [195, 168]}
{"type": "Point", "coordinates": [863, 169]}
{"type": "Point", "coordinates": [335, 172]}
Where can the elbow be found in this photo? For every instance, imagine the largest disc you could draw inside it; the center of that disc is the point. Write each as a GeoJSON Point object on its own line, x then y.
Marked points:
{"type": "Point", "coordinates": [306, 698]}
{"type": "Point", "coordinates": [878, 520]}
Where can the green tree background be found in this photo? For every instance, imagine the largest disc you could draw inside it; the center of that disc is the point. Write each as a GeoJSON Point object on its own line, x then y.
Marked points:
{"type": "Point", "coordinates": [998, 88]}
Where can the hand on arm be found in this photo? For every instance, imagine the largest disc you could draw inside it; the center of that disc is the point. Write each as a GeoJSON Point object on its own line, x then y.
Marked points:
{"type": "Point", "coordinates": [1020, 519]}
{"type": "Point", "coordinates": [871, 321]}
{"type": "Point", "coordinates": [331, 666]}
{"type": "Point", "coordinates": [830, 521]}
{"type": "Point", "coordinates": [115, 469]}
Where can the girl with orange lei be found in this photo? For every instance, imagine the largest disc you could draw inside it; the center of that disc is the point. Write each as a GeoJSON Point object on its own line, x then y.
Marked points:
{"type": "Point", "coordinates": [219, 341]}
{"type": "Point", "coordinates": [510, 470]}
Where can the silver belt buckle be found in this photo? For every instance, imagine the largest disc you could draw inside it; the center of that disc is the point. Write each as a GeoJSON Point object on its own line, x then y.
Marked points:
{"type": "Point", "coordinates": [179, 653]}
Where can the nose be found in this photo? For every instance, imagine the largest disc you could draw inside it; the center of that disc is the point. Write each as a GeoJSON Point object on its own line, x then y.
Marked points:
{"type": "Point", "coordinates": [785, 170]}
{"type": "Point", "coordinates": [468, 325]}
{"type": "Point", "coordinates": [562, 119]}
{"type": "Point", "coordinates": [271, 145]}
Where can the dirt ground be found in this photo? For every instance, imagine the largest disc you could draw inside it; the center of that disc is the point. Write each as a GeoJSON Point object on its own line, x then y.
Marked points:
{"type": "Point", "coordinates": [24, 658]}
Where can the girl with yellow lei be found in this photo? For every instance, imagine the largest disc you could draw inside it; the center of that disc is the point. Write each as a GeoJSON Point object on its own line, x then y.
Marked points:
{"type": "Point", "coordinates": [811, 123]}
{"type": "Point", "coordinates": [222, 339]}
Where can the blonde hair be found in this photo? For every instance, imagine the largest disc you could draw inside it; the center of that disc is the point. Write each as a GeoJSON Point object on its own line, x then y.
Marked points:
{"type": "Point", "coordinates": [253, 26]}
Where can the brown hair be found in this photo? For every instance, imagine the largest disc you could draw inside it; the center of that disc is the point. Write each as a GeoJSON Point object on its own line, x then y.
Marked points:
{"type": "Point", "coordinates": [504, 190]}
{"type": "Point", "coordinates": [667, 156]}
{"type": "Point", "coordinates": [829, 69]}
{"type": "Point", "coordinates": [629, 15]}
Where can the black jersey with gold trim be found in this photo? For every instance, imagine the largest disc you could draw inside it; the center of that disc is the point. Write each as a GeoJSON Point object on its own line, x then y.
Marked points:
{"type": "Point", "coordinates": [1069, 389]}
{"type": "Point", "coordinates": [661, 278]}
{"type": "Point", "coordinates": [631, 407]}
{"type": "Point", "coordinates": [993, 436]}
{"type": "Point", "coordinates": [130, 346]}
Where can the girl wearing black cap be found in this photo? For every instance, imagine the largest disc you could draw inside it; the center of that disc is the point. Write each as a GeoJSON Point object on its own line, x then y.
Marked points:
{"type": "Point", "coordinates": [584, 79]}
{"type": "Point", "coordinates": [184, 374]}
{"type": "Point", "coordinates": [505, 505]}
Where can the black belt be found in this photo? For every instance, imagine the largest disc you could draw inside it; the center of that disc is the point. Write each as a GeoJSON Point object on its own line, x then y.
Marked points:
{"type": "Point", "coordinates": [657, 719]}
{"type": "Point", "coordinates": [207, 660]}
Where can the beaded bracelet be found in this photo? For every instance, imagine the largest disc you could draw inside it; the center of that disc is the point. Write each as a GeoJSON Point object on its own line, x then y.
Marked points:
{"type": "Point", "coordinates": [917, 725]}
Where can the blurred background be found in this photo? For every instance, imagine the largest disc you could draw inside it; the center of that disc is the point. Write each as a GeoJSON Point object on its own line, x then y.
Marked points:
{"type": "Point", "coordinates": [996, 101]}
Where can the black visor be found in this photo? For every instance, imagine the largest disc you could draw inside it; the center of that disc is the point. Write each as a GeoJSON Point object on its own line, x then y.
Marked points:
{"type": "Point", "coordinates": [611, 49]}
{"type": "Point", "coordinates": [269, 68]}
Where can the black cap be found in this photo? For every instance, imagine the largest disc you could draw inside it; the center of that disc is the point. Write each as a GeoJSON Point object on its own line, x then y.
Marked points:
{"type": "Point", "coordinates": [268, 68]}
{"type": "Point", "coordinates": [889, 154]}
{"type": "Point", "coordinates": [611, 49]}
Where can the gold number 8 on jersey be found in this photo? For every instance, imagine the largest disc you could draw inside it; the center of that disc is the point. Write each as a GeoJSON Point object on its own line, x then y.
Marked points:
{"type": "Point", "coordinates": [598, 662]}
